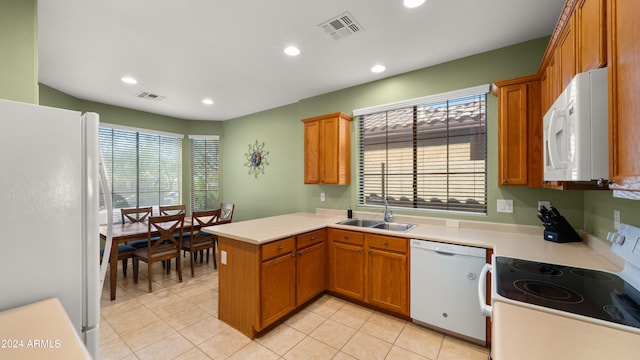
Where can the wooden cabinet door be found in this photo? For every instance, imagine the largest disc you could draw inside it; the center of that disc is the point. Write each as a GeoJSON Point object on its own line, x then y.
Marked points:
{"type": "Point", "coordinates": [567, 46]}
{"type": "Point", "coordinates": [387, 275]}
{"type": "Point", "coordinates": [311, 152]}
{"type": "Point", "coordinates": [512, 134]}
{"type": "Point", "coordinates": [277, 288]}
{"type": "Point", "coordinates": [624, 82]}
{"type": "Point", "coordinates": [591, 24]}
{"type": "Point", "coordinates": [310, 272]}
{"type": "Point", "coordinates": [329, 150]}
{"type": "Point", "coordinates": [347, 270]}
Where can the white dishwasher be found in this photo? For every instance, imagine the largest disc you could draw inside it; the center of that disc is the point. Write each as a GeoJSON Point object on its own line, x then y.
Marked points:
{"type": "Point", "coordinates": [444, 287]}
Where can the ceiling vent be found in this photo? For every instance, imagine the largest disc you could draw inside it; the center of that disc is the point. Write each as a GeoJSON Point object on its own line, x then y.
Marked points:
{"type": "Point", "coordinates": [149, 96]}
{"type": "Point", "coordinates": [341, 26]}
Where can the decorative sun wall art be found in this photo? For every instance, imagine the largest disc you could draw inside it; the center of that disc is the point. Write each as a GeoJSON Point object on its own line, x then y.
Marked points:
{"type": "Point", "coordinates": [256, 159]}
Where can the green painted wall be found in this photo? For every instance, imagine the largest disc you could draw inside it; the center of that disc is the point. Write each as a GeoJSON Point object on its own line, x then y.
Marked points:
{"type": "Point", "coordinates": [19, 50]}
{"type": "Point", "coordinates": [598, 212]}
{"type": "Point", "coordinates": [279, 189]}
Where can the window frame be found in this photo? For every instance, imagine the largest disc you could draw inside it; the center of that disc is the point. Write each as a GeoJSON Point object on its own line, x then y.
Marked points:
{"type": "Point", "coordinates": [215, 171]}
{"type": "Point", "coordinates": [412, 164]}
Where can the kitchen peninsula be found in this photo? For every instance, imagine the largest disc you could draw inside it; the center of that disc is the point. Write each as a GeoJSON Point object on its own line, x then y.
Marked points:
{"type": "Point", "coordinates": [259, 259]}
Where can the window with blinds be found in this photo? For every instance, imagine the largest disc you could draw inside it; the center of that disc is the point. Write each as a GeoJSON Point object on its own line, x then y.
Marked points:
{"type": "Point", "coordinates": [205, 172]}
{"type": "Point", "coordinates": [426, 154]}
{"type": "Point", "coordinates": [144, 169]}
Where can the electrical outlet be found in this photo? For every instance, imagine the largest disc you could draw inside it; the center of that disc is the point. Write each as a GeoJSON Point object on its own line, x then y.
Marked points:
{"type": "Point", "coordinates": [544, 203]}
{"type": "Point", "coordinates": [323, 197]}
{"type": "Point", "coordinates": [616, 219]}
{"type": "Point", "coordinates": [505, 206]}
{"type": "Point", "coordinates": [223, 257]}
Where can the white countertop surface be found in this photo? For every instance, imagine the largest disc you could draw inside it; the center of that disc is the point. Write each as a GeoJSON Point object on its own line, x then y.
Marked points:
{"type": "Point", "coordinates": [524, 242]}
{"type": "Point", "coordinates": [41, 330]}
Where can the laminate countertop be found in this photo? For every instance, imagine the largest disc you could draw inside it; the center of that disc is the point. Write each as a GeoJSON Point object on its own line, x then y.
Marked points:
{"type": "Point", "coordinates": [519, 241]}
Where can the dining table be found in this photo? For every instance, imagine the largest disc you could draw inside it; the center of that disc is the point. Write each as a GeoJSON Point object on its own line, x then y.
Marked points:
{"type": "Point", "coordinates": [123, 233]}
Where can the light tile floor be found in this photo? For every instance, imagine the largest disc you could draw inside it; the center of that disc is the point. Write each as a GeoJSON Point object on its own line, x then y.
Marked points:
{"type": "Point", "coordinates": [179, 321]}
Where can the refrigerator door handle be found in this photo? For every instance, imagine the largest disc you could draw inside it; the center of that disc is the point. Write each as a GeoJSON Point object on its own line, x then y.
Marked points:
{"type": "Point", "coordinates": [109, 205]}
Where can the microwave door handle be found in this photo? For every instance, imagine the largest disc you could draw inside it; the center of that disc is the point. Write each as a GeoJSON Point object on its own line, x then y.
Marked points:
{"type": "Point", "coordinates": [556, 163]}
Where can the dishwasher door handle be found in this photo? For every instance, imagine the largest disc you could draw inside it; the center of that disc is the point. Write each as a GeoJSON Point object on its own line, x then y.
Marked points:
{"type": "Point", "coordinates": [482, 290]}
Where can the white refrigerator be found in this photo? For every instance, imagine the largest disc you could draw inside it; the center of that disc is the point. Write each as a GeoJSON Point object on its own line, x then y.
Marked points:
{"type": "Point", "coordinates": [49, 206]}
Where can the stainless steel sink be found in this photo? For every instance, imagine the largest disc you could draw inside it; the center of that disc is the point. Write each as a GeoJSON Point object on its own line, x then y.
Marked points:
{"type": "Point", "coordinates": [359, 222]}
{"type": "Point", "coordinates": [394, 226]}
{"type": "Point", "coordinates": [377, 224]}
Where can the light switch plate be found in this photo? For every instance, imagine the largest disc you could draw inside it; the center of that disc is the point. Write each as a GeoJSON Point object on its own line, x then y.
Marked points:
{"type": "Point", "coordinates": [616, 219]}
{"type": "Point", "coordinates": [323, 197]}
{"type": "Point", "coordinates": [505, 206]}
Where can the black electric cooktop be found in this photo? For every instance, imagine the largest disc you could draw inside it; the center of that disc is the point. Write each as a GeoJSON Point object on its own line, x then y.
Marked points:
{"type": "Point", "coordinates": [591, 293]}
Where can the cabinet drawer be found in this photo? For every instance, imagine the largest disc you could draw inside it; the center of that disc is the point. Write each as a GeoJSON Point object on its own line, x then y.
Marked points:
{"type": "Point", "coordinates": [278, 248]}
{"type": "Point", "coordinates": [387, 243]}
{"type": "Point", "coordinates": [346, 236]}
{"type": "Point", "coordinates": [310, 238]}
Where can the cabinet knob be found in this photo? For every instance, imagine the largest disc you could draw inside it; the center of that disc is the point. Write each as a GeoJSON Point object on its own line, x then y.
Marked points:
{"type": "Point", "coordinates": [386, 243]}
{"type": "Point", "coordinates": [504, 181]}
{"type": "Point", "coordinates": [369, 251]}
{"type": "Point", "coordinates": [299, 253]}
{"type": "Point", "coordinates": [360, 250]}
{"type": "Point", "coordinates": [313, 238]}
{"type": "Point", "coordinates": [346, 237]}
{"type": "Point", "coordinates": [293, 255]}
{"type": "Point", "coordinates": [279, 248]}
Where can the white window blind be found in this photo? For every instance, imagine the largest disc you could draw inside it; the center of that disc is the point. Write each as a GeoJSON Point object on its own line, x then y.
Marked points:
{"type": "Point", "coordinates": [205, 172]}
{"type": "Point", "coordinates": [144, 169]}
{"type": "Point", "coordinates": [426, 155]}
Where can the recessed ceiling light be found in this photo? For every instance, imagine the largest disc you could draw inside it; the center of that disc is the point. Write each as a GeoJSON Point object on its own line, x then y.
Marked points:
{"type": "Point", "coordinates": [413, 3]}
{"type": "Point", "coordinates": [378, 68]}
{"type": "Point", "coordinates": [292, 51]}
{"type": "Point", "coordinates": [129, 80]}
{"type": "Point", "coordinates": [207, 101]}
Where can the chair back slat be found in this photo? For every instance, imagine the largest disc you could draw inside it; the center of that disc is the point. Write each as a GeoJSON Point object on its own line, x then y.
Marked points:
{"type": "Point", "coordinates": [172, 209]}
{"type": "Point", "coordinates": [136, 214]}
{"type": "Point", "coordinates": [202, 219]}
{"type": "Point", "coordinates": [167, 226]}
{"type": "Point", "coordinates": [226, 212]}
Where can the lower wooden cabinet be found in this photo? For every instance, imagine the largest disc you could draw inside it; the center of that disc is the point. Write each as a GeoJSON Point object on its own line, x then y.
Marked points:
{"type": "Point", "coordinates": [277, 288]}
{"type": "Point", "coordinates": [370, 268]}
{"type": "Point", "coordinates": [310, 265]}
{"type": "Point", "coordinates": [387, 273]}
{"type": "Point", "coordinates": [346, 263]}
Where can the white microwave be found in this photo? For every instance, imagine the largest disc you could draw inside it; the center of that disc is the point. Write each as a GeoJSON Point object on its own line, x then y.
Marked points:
{"type": "Point", "coordinates": [576, 140]}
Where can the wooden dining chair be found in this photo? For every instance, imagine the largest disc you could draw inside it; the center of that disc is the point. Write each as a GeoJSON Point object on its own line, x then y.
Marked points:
{"type": "Point", "coordinates": [167, 247]}
{"type": "Point", "coordinates": [226, 213]}
{"type": "Point", "coordinates": [198, 240]}
{"type": "Point", "coordinates": [172, 209]}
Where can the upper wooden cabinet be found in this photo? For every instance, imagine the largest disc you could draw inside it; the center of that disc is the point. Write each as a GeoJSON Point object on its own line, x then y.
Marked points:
{"type": "Point", "coordinates": [566, 51]}
{"type": "Point", "coordinates": [623, 50]}
{"type": "Point", "coordinates": [591, 26]}
{"type": "Point", "coordinates": [519, 131]}
{"type": "Point", "coordinates": [327, 145]}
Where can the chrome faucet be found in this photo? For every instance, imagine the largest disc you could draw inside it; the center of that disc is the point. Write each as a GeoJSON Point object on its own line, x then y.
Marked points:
{"type": "Point", "coordinates": [388, 216]}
